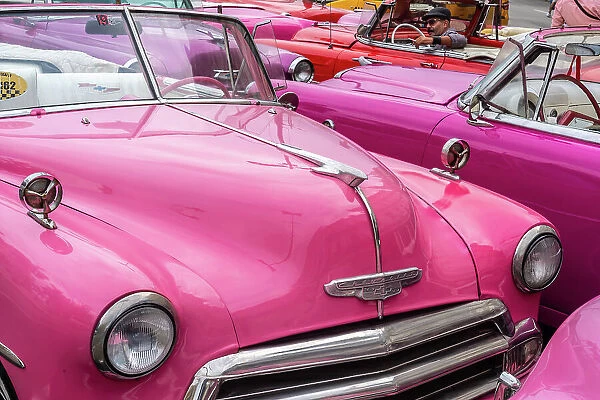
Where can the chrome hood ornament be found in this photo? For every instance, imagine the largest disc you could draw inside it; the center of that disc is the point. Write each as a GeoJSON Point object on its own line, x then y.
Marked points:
{"type": "Point", "coordinates": [378, 286]}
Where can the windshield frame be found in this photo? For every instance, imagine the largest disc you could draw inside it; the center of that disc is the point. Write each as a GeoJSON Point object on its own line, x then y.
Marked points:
{"type": "Point", "coordinates": [496, 73]}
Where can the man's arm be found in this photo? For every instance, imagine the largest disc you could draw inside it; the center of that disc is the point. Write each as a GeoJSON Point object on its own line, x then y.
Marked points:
{"type": "Point", "coordinates": [457, 41]}
{"type": "Point", "coordinates": [452, 40]}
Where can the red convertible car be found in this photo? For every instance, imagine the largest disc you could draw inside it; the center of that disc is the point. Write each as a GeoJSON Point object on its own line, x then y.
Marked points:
{"type": "Point", "coordinates": [533, 123]}
{"type": "Point", "coordinates": [171, 230]}
{"type": "Point", "coordinates": [307, 9]}
{"type": "Point", "coordinates": [336, 47]}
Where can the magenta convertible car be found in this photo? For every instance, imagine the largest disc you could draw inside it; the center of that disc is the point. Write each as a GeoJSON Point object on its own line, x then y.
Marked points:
{"type": "Point", "coordinates": [181, 234]}
{"type": "Point", "coordinates": [533, 124]}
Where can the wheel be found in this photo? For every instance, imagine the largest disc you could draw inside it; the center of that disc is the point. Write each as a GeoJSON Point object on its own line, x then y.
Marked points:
{"type": "Point", "coordinates": [577, 82]}
{"type": "Point", "coordinates": [197, 79]}
{"type": "Point", "coordinates": [411, 26]}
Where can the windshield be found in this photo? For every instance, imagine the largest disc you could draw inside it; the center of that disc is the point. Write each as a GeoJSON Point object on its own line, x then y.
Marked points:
{"type": "Point", "coordinates": [508, 55]}
{"type": "Point", "coordinates": [550, 83]}
{"type": "Point", "coordinates": [390, 15]}
{"type": "Point", "coordinates": [77, 57]}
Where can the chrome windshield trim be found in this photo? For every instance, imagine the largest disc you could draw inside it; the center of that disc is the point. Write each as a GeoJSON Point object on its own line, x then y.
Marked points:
{"type": "Point", "coordinates": [10, 356]}
{"type": "Point", "coordinates": [142, 56]}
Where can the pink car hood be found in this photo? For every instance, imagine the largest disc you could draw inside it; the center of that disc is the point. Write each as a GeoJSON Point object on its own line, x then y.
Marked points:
{"type": "Point", "coordinates": [255, 222]}
{"type": "Point", "coordinates": [433, 86]}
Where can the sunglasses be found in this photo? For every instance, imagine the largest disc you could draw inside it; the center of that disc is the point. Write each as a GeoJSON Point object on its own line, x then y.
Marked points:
{"type": "Point", "coordinates": [432, 21]}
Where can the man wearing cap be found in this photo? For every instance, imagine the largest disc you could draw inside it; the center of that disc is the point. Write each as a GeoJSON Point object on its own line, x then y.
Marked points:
{"type": "Point", "coordinates": [441, 36]}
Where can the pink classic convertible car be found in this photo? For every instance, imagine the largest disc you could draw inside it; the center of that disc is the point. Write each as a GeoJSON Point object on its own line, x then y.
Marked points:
{"type": "Point", "coordinates": [533, 123]}
{"type": "Point", "coordinates": [177, 233]}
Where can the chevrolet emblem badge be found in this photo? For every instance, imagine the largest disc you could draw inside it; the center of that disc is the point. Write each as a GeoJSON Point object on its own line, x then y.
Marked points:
{"type": "Point", "coordinates": [378, 286]}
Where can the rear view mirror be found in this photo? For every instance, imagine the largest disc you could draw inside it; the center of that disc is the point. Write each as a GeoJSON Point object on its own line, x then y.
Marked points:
{"type": "Point", "coordinates": [582, 49]}
{"type": "Point", "coordinates": [107, 25]}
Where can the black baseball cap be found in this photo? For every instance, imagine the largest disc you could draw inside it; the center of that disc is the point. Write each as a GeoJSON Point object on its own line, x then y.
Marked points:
{"type": "Point", "coordinates": [438, 12]}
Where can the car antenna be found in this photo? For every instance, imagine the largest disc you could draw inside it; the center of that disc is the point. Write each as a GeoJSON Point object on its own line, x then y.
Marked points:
{"type": "Point", "coordinates": [330, 39]}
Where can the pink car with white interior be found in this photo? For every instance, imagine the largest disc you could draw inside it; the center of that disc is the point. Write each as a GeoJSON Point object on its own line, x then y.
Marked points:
{"type": "Point", "coordinates": [532, 124]}
{"type": "Point", "coordinates": [191, 237]}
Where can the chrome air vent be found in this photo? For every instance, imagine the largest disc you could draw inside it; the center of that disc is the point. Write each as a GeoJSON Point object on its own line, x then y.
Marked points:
{"type": "Point", "coordinates": [458, 351]}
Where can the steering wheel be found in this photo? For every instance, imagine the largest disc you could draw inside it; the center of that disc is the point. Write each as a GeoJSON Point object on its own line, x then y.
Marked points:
{"type": "Point", "coordinates": [577, 82]}
{"type": "Point", "coordinates": [153, 3]}
{"type": "Point", "coordinates": [404, 25]}
{"type": "Point", "coordinates": [205, 80]}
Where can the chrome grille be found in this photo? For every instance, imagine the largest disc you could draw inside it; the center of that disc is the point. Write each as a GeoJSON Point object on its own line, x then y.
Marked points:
{"type": "Point", "coordinates": [457, 350]}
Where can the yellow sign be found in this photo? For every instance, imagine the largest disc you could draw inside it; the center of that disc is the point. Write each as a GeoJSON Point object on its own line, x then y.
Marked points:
{"type": "Point", "coordinates": [11, 85]}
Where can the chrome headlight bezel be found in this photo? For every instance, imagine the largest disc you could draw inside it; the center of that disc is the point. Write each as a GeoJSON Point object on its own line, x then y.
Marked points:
{"type": "Point", "coordinates": [118, 312]}
{"type": "Point", "coordinates": [296, 69]}
{"type": "Point", "coordinates": [534, 237]}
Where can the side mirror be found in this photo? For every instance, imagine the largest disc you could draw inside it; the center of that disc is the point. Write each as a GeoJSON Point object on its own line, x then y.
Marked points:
{"type": "Point", "coordinates": [455, 155]}
{"type": "Point", "coordinates": [290, 100]}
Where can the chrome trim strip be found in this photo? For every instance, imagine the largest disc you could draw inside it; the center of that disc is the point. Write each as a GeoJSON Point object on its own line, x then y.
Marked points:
{"type": "Point", "coordinates": [40, 111]}
{"type": "Point", "coordinates": [560, 130]}
{"type": "Point", "coordinates": [359, 344]}
{"type": "Point", "coordinates": [375, 227]}
{"type": "Point", "coordinates": [10, 356]}
{"type": "Point", "coordinates": [376, 239]}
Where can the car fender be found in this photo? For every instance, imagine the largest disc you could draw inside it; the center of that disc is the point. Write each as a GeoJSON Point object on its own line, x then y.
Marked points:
{"type": "Point", "coordinates": [490, 217]}
{"type": "Point", "coordinates": [62, 281]}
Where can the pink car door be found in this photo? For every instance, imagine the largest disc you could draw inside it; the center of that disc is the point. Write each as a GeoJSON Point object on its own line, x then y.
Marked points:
{"type": "Point", "coordinates": [555, 173]}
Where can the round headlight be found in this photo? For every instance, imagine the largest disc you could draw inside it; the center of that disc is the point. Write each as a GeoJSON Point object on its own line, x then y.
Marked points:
{"type": "Point", "coordinates": [537, 260]}
{"type": "Point", "coordinates": [302, 70]}
{"type": "Point", "coordinates": [134, 336]}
